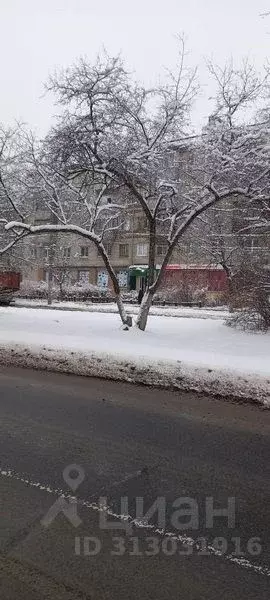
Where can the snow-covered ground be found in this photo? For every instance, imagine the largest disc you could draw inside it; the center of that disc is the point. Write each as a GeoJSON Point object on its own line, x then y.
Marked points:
{"type": "Point", "coordinates": [184, 353]}
{"type": "Point", "coordinates": [110, 307]}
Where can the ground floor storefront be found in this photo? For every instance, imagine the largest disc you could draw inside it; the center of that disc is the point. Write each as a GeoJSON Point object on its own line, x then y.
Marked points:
{"type": "Point", "coordinates": [135, 277]}
{"type": "Point", "coordinates": [130, 278]}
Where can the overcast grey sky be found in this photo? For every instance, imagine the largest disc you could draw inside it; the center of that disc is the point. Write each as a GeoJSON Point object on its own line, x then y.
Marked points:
{"type": "Point", "coordinates": [38, 36]}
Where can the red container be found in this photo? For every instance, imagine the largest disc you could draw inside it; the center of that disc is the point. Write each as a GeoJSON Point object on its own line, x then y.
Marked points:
{"type": "Point", "coordinates": [9, 280]}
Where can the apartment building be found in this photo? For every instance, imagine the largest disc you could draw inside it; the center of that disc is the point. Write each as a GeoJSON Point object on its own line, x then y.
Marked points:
{"type": "Point", "coordinates": [78, 260]}
{"type": "Point", "coordinates": [71, 258]}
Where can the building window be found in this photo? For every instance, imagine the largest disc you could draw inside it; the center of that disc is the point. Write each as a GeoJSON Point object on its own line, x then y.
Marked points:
{"type": "Point", "coordinates": [108, 249]}
{"type": "Point", "coordinates": [127, 224]}
{"type": "Point", "coordinates": [142, 249]}
{"type": "Point", "coordinates": [123, 250]}
{"type": "Point", "coordinates": [122, 277]}
{"type": "Point", "coordinates": [67, 252]}
{"type": "Point", "coordinates": [84, 251]}
{"type": "Point", "coordinates": [46, 253]}
{"type": "Point", "coordinates": [102, 279]}
{"type": "Point", "coordinates": [99, 225]}
{"type": "Point", "coordinates": [45, 221]}
{"type": "Point", "coordinates": [141, 224]}
{"type": "Point", "coordinates": [161, 249]}
{"type": "Point", "coordinates": [114, 222]}
{"type": "Point", "coordinates": [83, 276]}
{"type": "Point", "coordinates": [33, 252]}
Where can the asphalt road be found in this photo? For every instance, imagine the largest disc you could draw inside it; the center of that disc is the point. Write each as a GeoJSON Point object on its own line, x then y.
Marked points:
{"type": "Point", "coordinates": [133, 446]}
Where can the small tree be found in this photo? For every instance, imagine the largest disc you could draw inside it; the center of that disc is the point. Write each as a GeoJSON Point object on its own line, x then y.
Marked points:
{"type": "Point", "coordinates": [82, 206]}
{"type": "Point", "coordinates": [227, 239]}
{"type": "Point", "coordinates": [251, 298]}
{"type": "Point", "coordinates": [13, 204]}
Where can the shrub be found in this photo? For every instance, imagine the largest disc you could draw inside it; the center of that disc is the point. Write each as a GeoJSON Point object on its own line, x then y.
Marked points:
{"type": "Point", "coordinates": [38, 290]}
{"type": "Point", "coordinates": [35, 290]}
{"type": "Point", "coordinates": [251, 301]}
{"type": "Point", "coordinates": [185, 294]}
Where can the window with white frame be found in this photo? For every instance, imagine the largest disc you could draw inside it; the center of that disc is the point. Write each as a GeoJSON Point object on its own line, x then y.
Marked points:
{"type": "Point", "coordinates": [142, 249]}
{"type": "Point", "coordinates": [84, 251]}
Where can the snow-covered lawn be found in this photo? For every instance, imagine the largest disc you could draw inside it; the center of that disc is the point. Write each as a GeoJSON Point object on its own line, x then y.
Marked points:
{"type": "Point", "coordinates": [195, 353]}
{"type": "Point", "coordinates": [110, 307]}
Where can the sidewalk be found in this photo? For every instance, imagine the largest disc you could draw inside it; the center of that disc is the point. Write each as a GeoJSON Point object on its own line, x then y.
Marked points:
{"type": "Point", "coordinates": [132, 309]}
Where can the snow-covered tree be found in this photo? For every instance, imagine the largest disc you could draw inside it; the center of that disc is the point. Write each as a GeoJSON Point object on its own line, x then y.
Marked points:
{"type": "Point", "coordinates": [235, 144]}
{"type": "Point", "coordinates": [227, 239]}
{"type": "Point", "coordinates": [235, 152]}
{"type": "Point", "coordinates": [124, 132]}
{"type": "Point", "coordinates": [87, 206]}
{"type": "Point", "coordinates": [13, 202]}
{"type": "Point", "coordinates": [115, 134]}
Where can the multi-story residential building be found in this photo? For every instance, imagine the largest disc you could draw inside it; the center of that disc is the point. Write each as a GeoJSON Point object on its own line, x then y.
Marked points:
{"type": "Point", "coordinates": [79, 260]}
{"type": "Point", "coordinates": [75, 259]}
{"type": "Point", "coordinates": [71, 258]}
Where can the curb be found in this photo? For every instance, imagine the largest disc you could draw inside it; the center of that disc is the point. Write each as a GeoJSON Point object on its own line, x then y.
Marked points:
{"type": "Point", "coordinates": [176, 375]}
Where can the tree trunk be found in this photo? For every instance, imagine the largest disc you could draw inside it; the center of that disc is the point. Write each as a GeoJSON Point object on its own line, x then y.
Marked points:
{"type": "Point", "coordinates": [61, 294]}
{"type": "Point", "coordinates": [152, 254]}
{"type": "Point", "coordinates": [50, 283]}
{"type": "Point", "coordinates": [123, 315]}
{"type": "Point", "coordinates": [227, 270]}
{"type": "Point", "coordinates": [147, 300]}
{"type": "Point", "coordinates": [143, 313]}
{"type": "Point", "coordinates": [121, 309]}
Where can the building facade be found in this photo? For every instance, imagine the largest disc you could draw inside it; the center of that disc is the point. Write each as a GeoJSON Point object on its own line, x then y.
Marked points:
{"type": "Point", "coordinates": [73, 259]}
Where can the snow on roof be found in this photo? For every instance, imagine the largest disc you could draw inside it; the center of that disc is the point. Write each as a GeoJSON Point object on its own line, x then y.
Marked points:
{"type": "Point", "coordinates": [138, 267]}
{"type": "Point", "coordinates": [179, 267]}
{"type": "Point", "coordinates": [141, 267]}
{"type": "Point", "coordinates": [175, 267]}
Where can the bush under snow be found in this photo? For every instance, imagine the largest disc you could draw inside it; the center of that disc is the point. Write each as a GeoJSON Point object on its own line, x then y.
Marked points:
{"type": "Point", "coordinates": [79, 291]}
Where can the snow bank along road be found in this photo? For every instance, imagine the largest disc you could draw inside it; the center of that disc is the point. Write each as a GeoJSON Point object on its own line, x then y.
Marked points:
{"type": "Point", "coordinates": [196, 354]}
{"type": "Point", "coordinates": [129, 442]}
